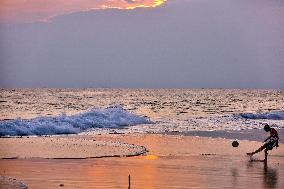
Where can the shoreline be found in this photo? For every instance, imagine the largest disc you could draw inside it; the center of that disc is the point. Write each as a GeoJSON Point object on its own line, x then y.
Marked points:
{"type": "Point", "coordinates": [258, 135]}
{"type": "Point", "coordinates": [107, 144]}
{"type": "Point", "coordinates": [116, 145]}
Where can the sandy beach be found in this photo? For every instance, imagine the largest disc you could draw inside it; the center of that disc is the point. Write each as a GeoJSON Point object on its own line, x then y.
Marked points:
{"type": "Point", "coordinates": [59, 147]}
{"type": "Point", "coordinates": [171, 162]}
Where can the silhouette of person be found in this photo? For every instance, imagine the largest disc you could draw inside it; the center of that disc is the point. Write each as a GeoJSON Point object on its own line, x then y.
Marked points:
{"type": "Point", "coordinates": [270, 142]}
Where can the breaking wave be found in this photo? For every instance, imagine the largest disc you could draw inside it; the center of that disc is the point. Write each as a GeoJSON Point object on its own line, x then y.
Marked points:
{"type": "Point", "coordinates": [111, 117]}
{"type": "Point", "coordinates": [275, 115]}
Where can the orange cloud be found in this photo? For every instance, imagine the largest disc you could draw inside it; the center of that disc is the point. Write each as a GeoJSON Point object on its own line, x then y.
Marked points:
{"type": "Point", "coordinates": [43, 10]}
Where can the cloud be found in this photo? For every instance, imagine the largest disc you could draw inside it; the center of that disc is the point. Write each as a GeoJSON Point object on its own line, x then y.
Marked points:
{"type": "Point", "coordinates": [133, 1]}
{"type": "Point", "coordinates": [200, 44]}
{"type": "Point", "coordinates": [42, 10]}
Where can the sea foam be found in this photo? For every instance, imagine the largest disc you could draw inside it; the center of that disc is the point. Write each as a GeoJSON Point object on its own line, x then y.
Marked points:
{"type": "Point", "coordinates": [275, 115]}
{"type": "Point", "coordinates": [111, 117]}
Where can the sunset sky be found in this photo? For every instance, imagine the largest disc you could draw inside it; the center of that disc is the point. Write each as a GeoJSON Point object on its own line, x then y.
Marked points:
{"type": "Point", "coordinates": [142, 43]}
{"type": "Point", "coordinates": [45, 10]}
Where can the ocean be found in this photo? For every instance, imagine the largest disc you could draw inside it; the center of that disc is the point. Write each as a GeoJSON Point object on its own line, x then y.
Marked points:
{"type": "Point", "coordinates": [71, 111]}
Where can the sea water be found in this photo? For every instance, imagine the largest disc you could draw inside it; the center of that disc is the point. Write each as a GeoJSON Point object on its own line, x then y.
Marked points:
{"type": "Point", "coordinates": [67, 111]}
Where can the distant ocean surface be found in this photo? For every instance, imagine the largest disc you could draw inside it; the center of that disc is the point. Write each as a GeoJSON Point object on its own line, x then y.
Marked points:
{"type": "Point", "coordinates": [66, 111]}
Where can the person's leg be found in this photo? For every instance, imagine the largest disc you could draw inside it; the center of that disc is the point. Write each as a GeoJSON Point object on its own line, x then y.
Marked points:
{"type": "Point", "coordinates": [266, 154]}
{"type": "Point", "coordinates": [258, 150]}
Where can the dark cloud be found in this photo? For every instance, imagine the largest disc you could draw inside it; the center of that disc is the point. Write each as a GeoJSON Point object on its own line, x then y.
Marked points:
{"type": "Point", "coordinates": [132, 1]}
{"type": "Point", "coordinates": [225, 43]}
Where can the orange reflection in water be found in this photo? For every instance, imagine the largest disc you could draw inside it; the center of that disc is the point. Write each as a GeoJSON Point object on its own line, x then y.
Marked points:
{"type": "Point", "coordinates": [164, 173]}
{"type": "Point", "coordinates": [150, 157]}
{"type": "Point", "coordinates": [142, 169]}
{"type": "Point", "coordinates": [42, 10]}
{"type": "Point", "coordinates": [143, 173]}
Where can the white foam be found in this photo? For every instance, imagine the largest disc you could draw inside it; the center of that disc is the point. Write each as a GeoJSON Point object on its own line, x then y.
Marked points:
{"type": "Point", "coordinates": [112, 117]}
{"type": "Point", "coordinates": [275, 115]}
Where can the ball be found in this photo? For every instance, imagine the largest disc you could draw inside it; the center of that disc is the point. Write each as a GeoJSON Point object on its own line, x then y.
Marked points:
{"type": "Point", "coordinates": [235, 143]}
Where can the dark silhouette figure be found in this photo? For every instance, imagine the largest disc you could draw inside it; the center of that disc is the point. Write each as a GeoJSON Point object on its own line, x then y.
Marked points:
{"type": "Point", "coordinates": [270, 142]}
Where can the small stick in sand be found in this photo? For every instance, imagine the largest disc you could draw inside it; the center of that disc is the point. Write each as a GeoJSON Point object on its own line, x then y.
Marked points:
{"type": "Point", "coordinates": [128, 181]}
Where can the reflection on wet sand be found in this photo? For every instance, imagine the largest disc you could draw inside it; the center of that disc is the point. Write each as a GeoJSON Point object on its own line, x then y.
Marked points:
{"type": "Point", "coordinates": [235, 175]}
{"type": "Point", "coordinates": [163, 172]}
{"type": "Point", "coordinates": [270, 177]}
{"type": "Point", "coordinates": [270, 174]}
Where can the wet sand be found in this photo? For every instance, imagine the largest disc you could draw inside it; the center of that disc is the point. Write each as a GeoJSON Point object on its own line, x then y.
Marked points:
{"type": "Point", "coordinates": [251, 134]}
{"type": "Point", "coordinates": [172, 162]}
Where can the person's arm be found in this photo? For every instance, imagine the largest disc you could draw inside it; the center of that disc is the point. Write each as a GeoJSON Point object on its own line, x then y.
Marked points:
{"type": "Point", "coordinates": [273, 133]}
{"type": "Point", "coordinates": [267, 138]}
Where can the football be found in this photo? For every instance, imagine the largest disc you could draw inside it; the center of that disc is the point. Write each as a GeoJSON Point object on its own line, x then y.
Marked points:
{"type": "Point", "coordinates": [235, 143]}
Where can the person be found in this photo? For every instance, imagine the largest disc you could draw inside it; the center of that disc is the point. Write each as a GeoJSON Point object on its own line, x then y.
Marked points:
{"type": "Point", "coordinates": [270, 142]}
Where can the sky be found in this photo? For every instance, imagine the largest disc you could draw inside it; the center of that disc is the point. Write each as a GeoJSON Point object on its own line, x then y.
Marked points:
{"type": "Point", "coordinates": [42, 10]}
{"type": "Point", "coordinates": [142, 43]}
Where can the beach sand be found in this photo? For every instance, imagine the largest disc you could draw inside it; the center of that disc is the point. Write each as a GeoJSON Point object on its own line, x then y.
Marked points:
{"type": "Point", "coordinates": [65, 147]}
{"type": "Point", "coordinates": [172, 161]}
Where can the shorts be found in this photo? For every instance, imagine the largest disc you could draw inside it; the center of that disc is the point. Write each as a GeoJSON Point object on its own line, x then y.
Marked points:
{"type": "Point", "coordinates": [273, 142]}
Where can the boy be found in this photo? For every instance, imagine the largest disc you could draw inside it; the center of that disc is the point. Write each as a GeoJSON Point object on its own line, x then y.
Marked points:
{"type": "Point", "coordinates": [270, 142]}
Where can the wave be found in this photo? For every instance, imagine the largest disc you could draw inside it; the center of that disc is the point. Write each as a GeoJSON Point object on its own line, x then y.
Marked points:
{"type": "Point", "coordinates": [111, 117]}
{"type": "Point", "coordinates": [275, 115]}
